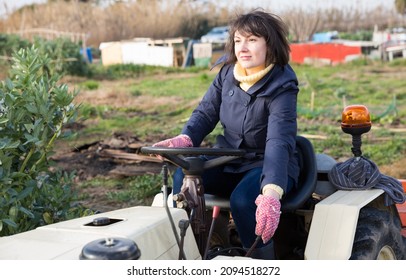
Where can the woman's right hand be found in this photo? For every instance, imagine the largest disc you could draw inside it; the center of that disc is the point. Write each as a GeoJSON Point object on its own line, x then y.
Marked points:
{"type": "Point", "coordinates": [180, 141]}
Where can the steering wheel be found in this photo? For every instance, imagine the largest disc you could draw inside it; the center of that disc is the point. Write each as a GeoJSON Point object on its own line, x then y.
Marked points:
{"type": "Point", "coordinates": [188, 158]}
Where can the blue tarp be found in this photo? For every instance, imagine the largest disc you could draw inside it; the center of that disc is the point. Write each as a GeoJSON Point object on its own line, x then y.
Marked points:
{"type": "Point", "coordinates": [325, 37]}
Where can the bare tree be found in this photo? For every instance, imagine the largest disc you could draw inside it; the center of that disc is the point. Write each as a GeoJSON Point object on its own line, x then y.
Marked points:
{"type": "Point", "coordinates": [302, 24]}
{"type": "Point", "coordinates": [158, 19]}
{"type": "Point", "coordinates": [400, 6]}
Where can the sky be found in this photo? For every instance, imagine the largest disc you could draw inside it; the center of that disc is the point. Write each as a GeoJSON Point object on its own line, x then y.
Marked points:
{"type": "Point", "coordinates": [15, 4]}
{"type": "Point", "coordinates": [278, 5]}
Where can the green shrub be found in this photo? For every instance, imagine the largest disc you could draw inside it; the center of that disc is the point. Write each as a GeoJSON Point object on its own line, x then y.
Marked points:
{"type": "Point", "coordinates": [64, 55]}
{"type": "Point", "coordinates": [90, 85]}
{"type": "Point", "coordinates": [33, 110]}
{"type": "Point", "coordinates": [361, 35]}
{"type": "Point", "coordinates": [11, 43]}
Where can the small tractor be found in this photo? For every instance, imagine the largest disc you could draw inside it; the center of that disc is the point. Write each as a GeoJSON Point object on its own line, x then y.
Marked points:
{"type": "Point", "coordinates": [330, 216]}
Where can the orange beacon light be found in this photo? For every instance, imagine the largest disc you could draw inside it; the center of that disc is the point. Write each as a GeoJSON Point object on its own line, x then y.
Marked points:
{"type": "Point", "coordinates": [356, 121]}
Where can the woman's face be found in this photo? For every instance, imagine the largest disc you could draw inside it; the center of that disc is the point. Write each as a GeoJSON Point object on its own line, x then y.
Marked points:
{"type": "Point", "coordinates": [250, 51]}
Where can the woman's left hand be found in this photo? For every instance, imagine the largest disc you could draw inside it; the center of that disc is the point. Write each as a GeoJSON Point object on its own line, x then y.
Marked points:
{"type": "Point", "coordinates": [267, 216]}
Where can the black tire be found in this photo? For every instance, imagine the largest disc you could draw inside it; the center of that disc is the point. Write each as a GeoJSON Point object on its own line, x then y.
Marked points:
{"type": "Point", "coordinates": [378, 236]}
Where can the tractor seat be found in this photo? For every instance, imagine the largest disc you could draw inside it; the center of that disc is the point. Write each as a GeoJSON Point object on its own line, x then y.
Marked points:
{"type": "Point", "coordinates": [295, 198]}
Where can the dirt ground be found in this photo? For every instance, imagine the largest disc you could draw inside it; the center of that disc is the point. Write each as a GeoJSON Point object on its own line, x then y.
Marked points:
{"type": "Point", "coordinates": [89, 158]}
{"type": "Point", "coordinates": [116, 157]}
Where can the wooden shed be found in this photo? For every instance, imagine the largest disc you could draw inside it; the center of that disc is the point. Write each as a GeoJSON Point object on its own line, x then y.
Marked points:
{"type": "Point", "coordinates": [167, 52]}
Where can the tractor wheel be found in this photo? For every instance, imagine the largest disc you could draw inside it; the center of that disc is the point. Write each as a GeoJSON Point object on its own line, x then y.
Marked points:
{"type": "Point", "coordinates": [378, 236]}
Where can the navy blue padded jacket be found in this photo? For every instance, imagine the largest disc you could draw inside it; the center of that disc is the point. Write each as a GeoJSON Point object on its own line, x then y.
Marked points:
{"type": "Point", "coordinates": [263, 118]}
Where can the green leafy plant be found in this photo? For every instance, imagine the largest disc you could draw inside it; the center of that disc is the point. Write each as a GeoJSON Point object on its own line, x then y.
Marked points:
{"type": "Point", "coordinates": [90, 85]}
{"type": "Point", "coordinates": [33, 111]}
{"type": "Point", "coordinates": [64, 55]}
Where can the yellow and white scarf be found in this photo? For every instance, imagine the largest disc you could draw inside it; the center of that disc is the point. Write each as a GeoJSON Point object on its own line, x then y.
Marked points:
{"type": "Point", "coordinates": [248, 81]}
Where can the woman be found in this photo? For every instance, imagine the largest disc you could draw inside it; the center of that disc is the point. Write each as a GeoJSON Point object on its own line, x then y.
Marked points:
{"type": "Point", "coordinates": [254, 97]}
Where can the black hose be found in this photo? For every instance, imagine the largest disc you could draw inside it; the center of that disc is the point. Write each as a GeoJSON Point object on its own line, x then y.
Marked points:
{"type": "Point", "coordinates": [251, 249]}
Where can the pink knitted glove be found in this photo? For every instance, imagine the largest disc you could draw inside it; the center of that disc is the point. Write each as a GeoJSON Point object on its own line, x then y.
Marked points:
{"type": "Point", "coordinates": [180, 141]}
{"type": "Point", "coordinates": [267, 216]}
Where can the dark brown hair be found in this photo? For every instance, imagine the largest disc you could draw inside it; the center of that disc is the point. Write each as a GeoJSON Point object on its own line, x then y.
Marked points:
{"type": "Point", "coordinates": [261, 24]}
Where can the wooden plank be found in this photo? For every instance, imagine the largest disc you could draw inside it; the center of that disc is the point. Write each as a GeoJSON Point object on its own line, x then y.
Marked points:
{"type": "Point", "coordinates": [135, 170]}
{"type": "Point", "coordinates": [131, 156]}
